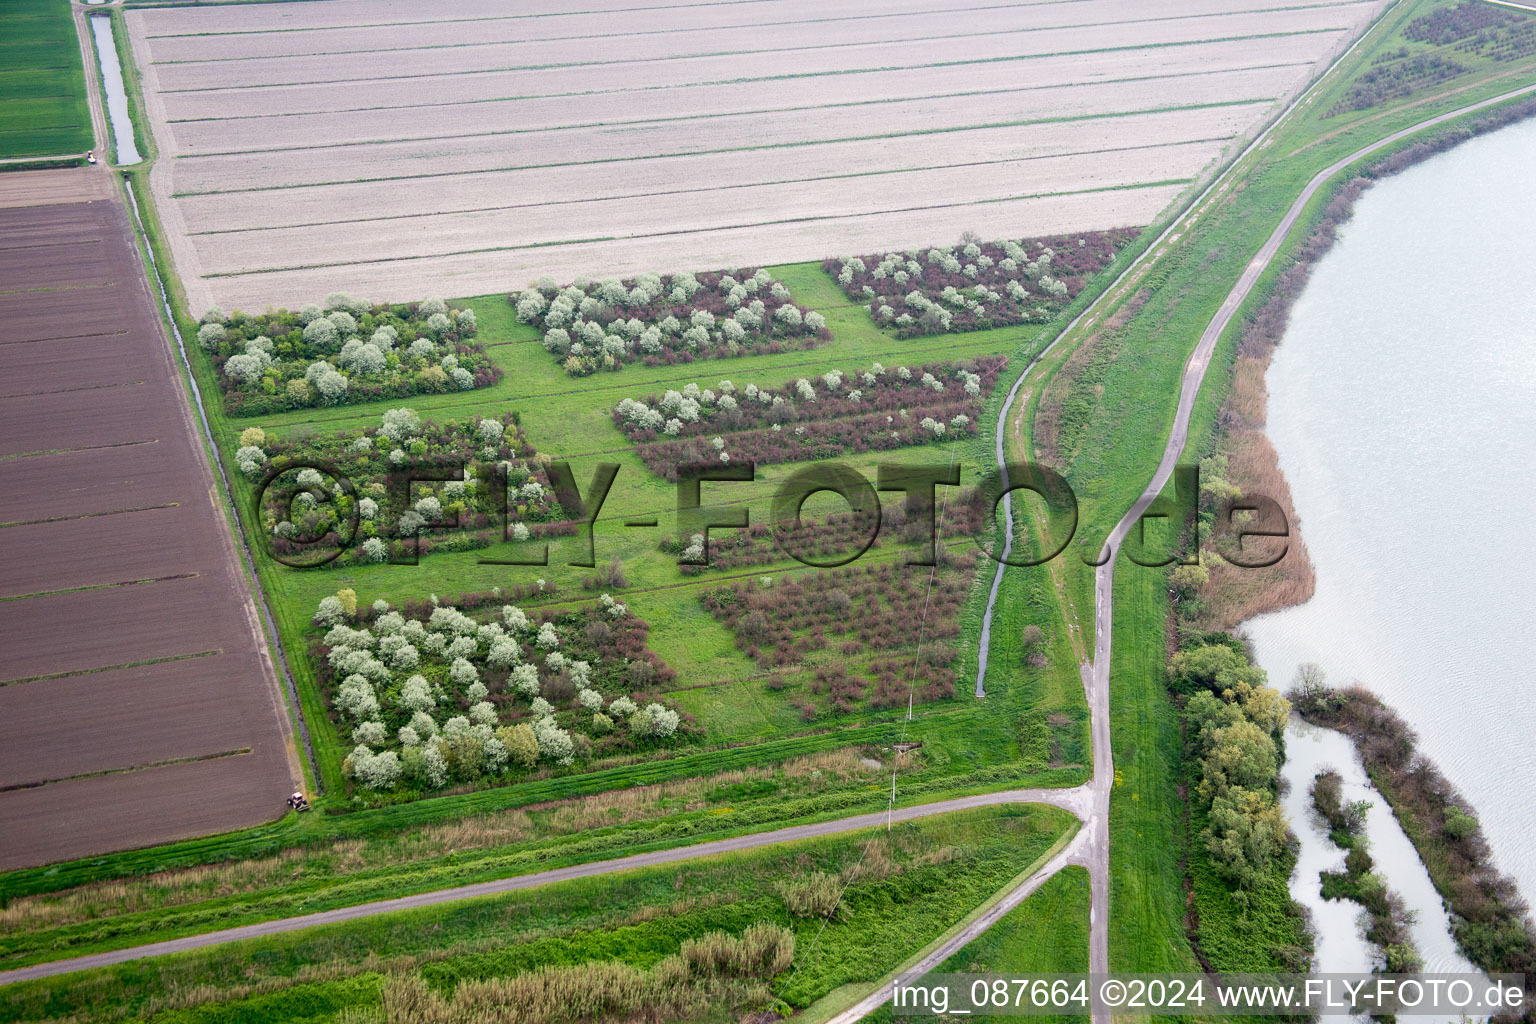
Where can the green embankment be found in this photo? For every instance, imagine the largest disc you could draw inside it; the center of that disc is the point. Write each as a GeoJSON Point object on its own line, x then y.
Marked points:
{"type": "Point", "coordinates": [1123, 413]}
{"type": "Point", "coordinates": [1046, 935]}
{"type": "Point", "coordinates": [43, 105]}
{"type": "Point", "coordinates": [901, 889]}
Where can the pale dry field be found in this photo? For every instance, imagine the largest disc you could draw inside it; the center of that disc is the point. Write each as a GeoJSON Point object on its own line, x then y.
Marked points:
{"type": "Point", "coordinates": [400, 148]}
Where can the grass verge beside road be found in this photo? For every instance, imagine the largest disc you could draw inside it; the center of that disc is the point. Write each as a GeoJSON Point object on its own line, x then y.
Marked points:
{"type": "Point", "coordinates": [901, 889]}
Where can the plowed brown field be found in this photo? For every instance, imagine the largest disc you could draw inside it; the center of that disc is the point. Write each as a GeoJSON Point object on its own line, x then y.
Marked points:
{"type": "Point", "coordinates": [137, 701]}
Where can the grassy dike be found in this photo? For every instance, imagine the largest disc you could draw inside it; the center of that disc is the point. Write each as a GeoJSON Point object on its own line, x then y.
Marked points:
{"type": "Point", "coordinates": [901, 889]}
{"type": "Point", "coordinates": [1124, 433]}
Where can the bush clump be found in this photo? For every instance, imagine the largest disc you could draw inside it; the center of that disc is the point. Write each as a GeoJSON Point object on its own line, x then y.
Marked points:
{"type": "Point", "coordinates": [976, 285]}
{"type": "Point", "coordinates": [591, 326]}
{"type": "Point", "coordinates": [349, 351]}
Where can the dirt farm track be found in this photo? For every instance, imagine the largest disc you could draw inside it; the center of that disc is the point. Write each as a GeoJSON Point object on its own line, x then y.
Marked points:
{"type": "Point", "coordinates": [137, 703]}
{"type": "Point", "coordinates": [404, 148]}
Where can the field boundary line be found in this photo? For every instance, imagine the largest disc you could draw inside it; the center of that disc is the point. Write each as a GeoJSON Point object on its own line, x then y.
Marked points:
{"type": "Point", "coordinates": [79, 448]}
{"type": "Point", "coordinates": [706, 28]}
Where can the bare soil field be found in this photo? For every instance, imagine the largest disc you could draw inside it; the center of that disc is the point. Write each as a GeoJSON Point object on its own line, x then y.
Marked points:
{"type": "Point", "coordinates": [47, 188]}
{"type": "Point", "coordinates": [692, 29]}
{"type": "Point", "coordinates": [792, 241]}
{"type": "Point", "coordinates": [409, 148]}
{"type": "Point", "coordinates": [687, 212]}
{"type": "Point", "coordinates": [470, 174]}
{"type": "Point", "coordinates": [137, 703]}
{"type": "Point", "coordinates": [811, 90]}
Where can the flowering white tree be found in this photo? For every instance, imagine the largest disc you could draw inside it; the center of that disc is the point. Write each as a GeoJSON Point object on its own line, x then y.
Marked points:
{"type": "Point", "coordinates": [209, 335]}
{"type": "Point", "coordinates": [373, 771]}
{"type": "Point", "coordinates": [525, 680]}
{"type": "Point", "coordinates": [435, 766]}
{"type": "Point", "coordinates": [246, 367]}
{"type": "Point", "coordinates": [329, 611]}
{"type": "Point", "coordinates": [331, 385]}
{"type": "Point", "coordinates": [504, 653]}
{"type": "Point", "coordinates": [554, 742]}
{"type": "Point", "coordinates": [356, 698]}
{"type": "Point", "coordinates": [463, 672]}
{"type": "Point", "coordinates": [370, 733]}
{"type": "Point", "coordinates": [416, 694]}
{"type": "Point", "coordinates": [250, 459]}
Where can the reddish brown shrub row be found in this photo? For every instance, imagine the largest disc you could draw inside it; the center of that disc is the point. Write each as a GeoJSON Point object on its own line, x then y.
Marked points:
{"type": "Point", "coordinates": [864, 610]}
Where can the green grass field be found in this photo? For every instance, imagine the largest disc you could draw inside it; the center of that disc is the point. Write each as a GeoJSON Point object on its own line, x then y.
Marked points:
{"type": "Point", "coordinates": [1047, 934]}
{"type": "Point", "coordinates": [43, 106]}
{"type": "Point", "coordinates": [902, 889]}
{"type": "Point", "coordinates": [569, 419]}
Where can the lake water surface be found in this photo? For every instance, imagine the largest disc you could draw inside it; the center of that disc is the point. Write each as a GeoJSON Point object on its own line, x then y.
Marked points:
{"type": "Point", "coordinates": [1403, 408]}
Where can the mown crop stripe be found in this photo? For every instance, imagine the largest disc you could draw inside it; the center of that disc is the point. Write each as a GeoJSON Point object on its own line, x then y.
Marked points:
{"type": "Point", "coordinates": [89, 515]}
{"type": "Point", "coordinates": [65, 337]}
{"type": "Point", "coordinates": [153, 4]}
{"type": "Point", "coordinates": [102, 586]}
{"type": "Point", "coordinates": [59, 288]}
{"type": "Point", "coordinates": [129, 769]}
{"type": "Point", "coordinates": [110, 668]}
{"type": "Point", "coordinates": [684, 118]}
{"type": "Point", "coordinates": [80, 448]}
{"type": "Point", "coordinates": [66, 391]}
{"type": "Point", "coordinates": [706, 28]}
{"type": "Point", "coordinates": [51, 245]}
